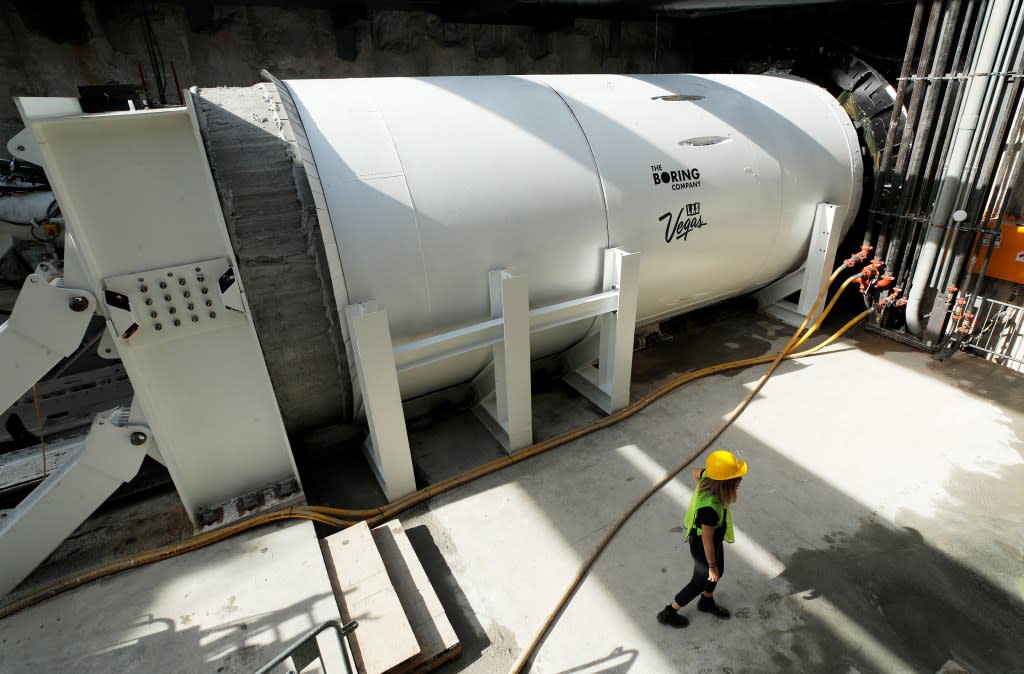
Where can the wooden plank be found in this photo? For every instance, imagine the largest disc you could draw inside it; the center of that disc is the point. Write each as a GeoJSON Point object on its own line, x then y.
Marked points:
{"type": "Point", "coordinates": [384, 639]}
{"type": "Point", "coordinates": [437, 640]}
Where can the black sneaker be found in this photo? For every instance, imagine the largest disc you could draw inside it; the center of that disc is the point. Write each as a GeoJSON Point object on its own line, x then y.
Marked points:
{"type": "Point", "coordinates": [667, 616]}
{"type": "Point", "coordinates": [708, 605]}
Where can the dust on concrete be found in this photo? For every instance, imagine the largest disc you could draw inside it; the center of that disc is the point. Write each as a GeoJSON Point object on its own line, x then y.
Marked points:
{"type": "Point", "coordinates": [977, 376]}
{"type": "Point", "coordinates": [482, 648]}
{"type": "Point", "coordinates": [683, 344]}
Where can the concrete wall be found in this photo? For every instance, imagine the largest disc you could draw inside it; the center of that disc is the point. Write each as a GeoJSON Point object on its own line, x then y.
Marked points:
{"type": "Point", "coordinates": [47, 51]}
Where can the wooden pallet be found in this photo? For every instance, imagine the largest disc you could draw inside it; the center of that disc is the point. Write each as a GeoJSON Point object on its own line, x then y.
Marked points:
{"type": "Point", "coordinates": [379, 581]}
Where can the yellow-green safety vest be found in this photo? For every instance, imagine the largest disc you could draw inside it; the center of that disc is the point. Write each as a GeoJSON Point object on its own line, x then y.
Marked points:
{"type": "Point", "coordinates": [701, 499]}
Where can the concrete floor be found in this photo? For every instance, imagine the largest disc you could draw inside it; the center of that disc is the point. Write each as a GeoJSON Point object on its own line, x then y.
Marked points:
{"type": "Point", "coordinates": [879, 528]}
{"type": "Point", "coordinates": [227, 608]}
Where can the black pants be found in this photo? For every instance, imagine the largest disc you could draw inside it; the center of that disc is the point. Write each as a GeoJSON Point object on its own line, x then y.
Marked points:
{"type": "Point", "coordinates": [700, 583]}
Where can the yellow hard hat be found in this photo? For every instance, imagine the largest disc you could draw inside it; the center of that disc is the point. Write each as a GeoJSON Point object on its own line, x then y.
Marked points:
{"type": "Point", "coordinates": [723, 465]}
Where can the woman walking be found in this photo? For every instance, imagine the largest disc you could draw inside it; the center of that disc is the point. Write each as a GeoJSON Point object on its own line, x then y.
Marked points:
{"type": "Point", "coordinates": [708, 523]}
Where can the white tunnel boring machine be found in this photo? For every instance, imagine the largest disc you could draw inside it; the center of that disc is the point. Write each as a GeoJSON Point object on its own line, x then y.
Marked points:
{"type": "Point", "coordinates": [275, 258]}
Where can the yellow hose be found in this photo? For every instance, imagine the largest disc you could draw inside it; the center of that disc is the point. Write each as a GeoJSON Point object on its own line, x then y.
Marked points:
{"type": "Point", "coordinates": [522, 663]}
{"type": "Point", "coordinates": [374, 516]}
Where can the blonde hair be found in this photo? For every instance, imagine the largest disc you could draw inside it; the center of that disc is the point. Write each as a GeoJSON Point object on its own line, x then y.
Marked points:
{"type": "Point", "coordinates": [726, 491]}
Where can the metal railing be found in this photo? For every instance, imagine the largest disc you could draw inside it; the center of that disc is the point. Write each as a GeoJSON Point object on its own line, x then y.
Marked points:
{"type": "Point", "coordinates": [305, 649]}
{"type": "Point", "coordinates": [1001, 333]}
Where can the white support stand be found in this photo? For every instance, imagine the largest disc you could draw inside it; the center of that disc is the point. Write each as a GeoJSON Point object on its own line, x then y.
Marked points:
{"type": "Point", "coordinates": [808, 279]}
{"type": "Point", "coordinates": [505, 407]}
{"type": "Point", "coordinates": [607, 385]}
{"type": "Point", "coordinates": [507, 411]}
{"type": "Point", "coordinates": [388, 444]}
{"type": "Point", "coordinates": [111, 455]}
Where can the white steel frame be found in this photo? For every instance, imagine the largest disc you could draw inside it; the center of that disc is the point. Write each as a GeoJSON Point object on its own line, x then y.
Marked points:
{"type": "Point", "coordinates": [506, 409]}
{"type": "Point", "coordinates": [42, 329]}
{"type": "Point", "coordinates": [110, 456]}
{"type": "Point", "coordinates": [388, 444]}
{"type": "Point", "coordinates": [505, 406]}
{"type": "Point", "coordinates": [808, 279]}
{"type": "Point", "coordinates": [203, 387]}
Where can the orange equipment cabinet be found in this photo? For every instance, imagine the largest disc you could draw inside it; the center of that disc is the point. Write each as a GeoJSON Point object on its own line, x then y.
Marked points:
{"type": "Point", "coordinates": [1008, 258]}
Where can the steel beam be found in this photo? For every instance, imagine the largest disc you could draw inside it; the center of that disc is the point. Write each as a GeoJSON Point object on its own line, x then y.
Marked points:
{"type": "Point", "coordinates": [508, 412]}
{"type": "Point", "coordinates": [111, 455]}
{"type": "Point", "coordinates": [504, 387]}
{"type": "Point", "coordinates": [46, 324]}
{"type": "Point", "coordinates": [488, 333]}
{"type": "Point", "coordinates": [388, 444]}
{"type": "Point", "coordinates": [809, 278]}
{"type": "Point", "coordinates": [607, 385]}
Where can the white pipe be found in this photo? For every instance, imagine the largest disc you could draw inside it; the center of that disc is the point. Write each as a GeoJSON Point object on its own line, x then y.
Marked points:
{"type": "Point", "coordinates": [952, 180]}
{"type": "Point", "coordinates": [970, 66]}
{"type": "Point", "coordinates": [976, 155]}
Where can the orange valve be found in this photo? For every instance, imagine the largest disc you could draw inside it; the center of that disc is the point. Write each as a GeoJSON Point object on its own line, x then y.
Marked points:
{"type": "Point", "coordinates": [858, 257]}
{"type": "Point", "coordinates": [958, 309]}
{"type": "Point", "coordinates": [869, 274]}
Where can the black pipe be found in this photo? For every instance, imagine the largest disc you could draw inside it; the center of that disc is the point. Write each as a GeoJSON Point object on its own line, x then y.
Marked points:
{"type": "Point", "coordinates": [909, 126]}
{"type": "Point", "coordinates": [894, 121]}
{"type": "Point", "coordinates": [961, 86]}
{"type": "Point", "coordinates": [919, 172]}
{"type": "Point", "coordinates": [951, 99]}
{"type": "Point", "coordinates": [913, 251]}
{"type": "Point", "coordinates": [923, 134]}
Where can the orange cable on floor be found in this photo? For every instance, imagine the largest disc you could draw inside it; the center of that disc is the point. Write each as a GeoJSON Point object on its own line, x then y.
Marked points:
{"type": "Point", "coordinates": [374, 516]}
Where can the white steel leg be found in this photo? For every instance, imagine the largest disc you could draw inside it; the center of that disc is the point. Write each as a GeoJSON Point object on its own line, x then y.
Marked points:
{"type": "Point", "coordinates": [508, 413]}
{"type": "Point", "coordinates": [388, 446]}
{"type": "Point", "coordinates": [46, 324]}
{"type": "Point", "coordinates": [808, 279]}
{"type": "Point", "coordinates": [622, 273]}
{"type": "Point", "coordinates": [821, 256]}
{"type": "Point", "coordinates": [607, 386]}
{"type": "Point", "coordinates": [111, 455]}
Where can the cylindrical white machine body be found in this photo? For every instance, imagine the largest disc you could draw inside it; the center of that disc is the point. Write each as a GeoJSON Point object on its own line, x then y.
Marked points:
{"type": "Point", "coordinates": [430, 183]}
